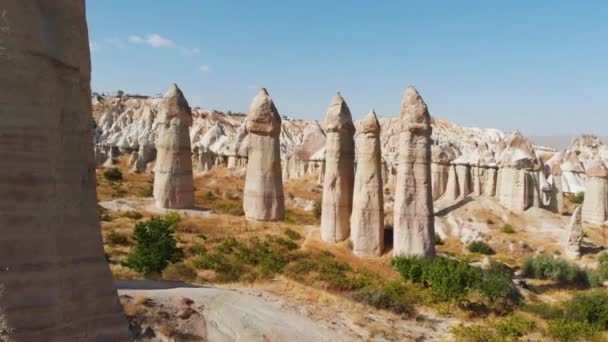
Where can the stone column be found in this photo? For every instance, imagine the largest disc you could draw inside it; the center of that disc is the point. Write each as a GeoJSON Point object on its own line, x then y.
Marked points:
{"type": "Point", "coordinates": [452, 190]}
{"type": "Point", "coordinates": [339, 176]}
{"type": "Point", "coordinates": [489, 187]}
{"type": "Point", "coordinates": [595, 206]}
{"type": "Point", "coordinates": [414, 232]}
{"type": "Point", "coordinates": [55, 284]}
{"type": "Point", "coordinates": [556, 203]}
{"type": "Point", "coordinates": [463, 172]}
{"type": "Point", "coordinates": [574, 235]}
{"type": "Point", "coordinates": [263, 198]}
{"type": "Point", "coordinates": [367, 218]}
{"type": "Point", "coordinates": [173, 185]}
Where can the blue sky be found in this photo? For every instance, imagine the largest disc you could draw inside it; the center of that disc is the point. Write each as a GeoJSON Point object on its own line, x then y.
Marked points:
{"type": "Point", "coordinates": [537, 66]}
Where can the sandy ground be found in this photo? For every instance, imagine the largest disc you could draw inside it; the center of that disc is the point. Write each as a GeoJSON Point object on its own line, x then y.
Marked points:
{"type": "Point", "coordinates": [229, 313]}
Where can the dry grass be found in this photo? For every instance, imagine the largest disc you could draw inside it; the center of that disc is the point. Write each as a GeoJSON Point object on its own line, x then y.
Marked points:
{"type": "Point", "coordinates": [132, 184]}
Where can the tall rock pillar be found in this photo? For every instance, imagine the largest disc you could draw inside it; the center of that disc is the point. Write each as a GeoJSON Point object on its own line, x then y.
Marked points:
{"type": "Point", "coordinates": [574, 235]}
{"type": "Point", "coordinates": [339, 172]}
{"type": "Point", "coordinates": [173, 185]}
{"type": "Point", "coordinates": [595, 206]}
{"type": "Point", "coordinates": [55, 284]}
{"type": "Point", "coordinates": [414, 229]}
{"type": "Point", "coordinates": [263, 198]}
{"type": "Point", "coordinates": [367, 220]}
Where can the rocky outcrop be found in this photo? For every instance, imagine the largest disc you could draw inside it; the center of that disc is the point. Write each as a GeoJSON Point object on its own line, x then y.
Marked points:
{"type": "Point", "coordinates": [595, 206]}
{"type": "Point", "coordinates": [55, 284]}
{"type": "Point", "coordinates": [556, 201]}
{"type": "Point", "coordinates": [173, 185]}
{"type": "Point", "coordinates": [413, 220]}
{"type": "Point", "coordinates": [516, 183]}
{"type": "Point", "coordinates": [574, 235]}
{"type": "Point", "coordinates": [339, 172]}
{"type": "Point", "coordinates": [367, 220]}
{"type": "Point", "coordinates": [263, 198]}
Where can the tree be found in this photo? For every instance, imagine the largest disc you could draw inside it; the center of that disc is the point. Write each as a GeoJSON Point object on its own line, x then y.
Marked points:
{"type": "Point", "coordinates": [155, 247]}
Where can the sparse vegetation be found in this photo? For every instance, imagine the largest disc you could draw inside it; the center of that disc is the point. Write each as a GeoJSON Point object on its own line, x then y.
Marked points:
{"type": "Point", "coordinates": [579, 198]}
{"type": "Point", "coordinates": [115, 239]}
{"type": "Point", "coordinates": [230, 209]}
{"type": "Point", "coordinates": [480, 247]}
{"type": "Point", "coordinates": [148, 191]}
{"type": "Point", "coordinates": [156, 245]}
{"type": "Point", "coordinates": [113, 175]}
{"type": "Point", "coordinates": [103, 214]}
{"type": "Point", "coordinates": [544, 266]}
{"type": "Point", "coordinates": [317, 210]}
{"type": "Point", "coordinates": [209, 196]}
{"type": "Point", "coordinates": [513, 327]}
{"type": "Point", "coordinates": [569, 331]}
{"type": "Point", "coordinates": [507, 229]}
{"type": "Point", "coordinates": [393, 296]}
{"type": "Point", "coordinates": [133, 215]}
{"type": "Point", "coordinates": [292, 234]}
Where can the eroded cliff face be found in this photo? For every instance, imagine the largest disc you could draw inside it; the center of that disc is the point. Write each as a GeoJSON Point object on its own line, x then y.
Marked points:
{"type": "Point", "coordinates": [55, 284]}
{"type": "Point", "coordinates": [472, 155]}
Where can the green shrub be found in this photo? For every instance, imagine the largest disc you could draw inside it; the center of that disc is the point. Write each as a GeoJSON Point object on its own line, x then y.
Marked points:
{"type": "Point", "coordinates": [544, 266]}
{"type": "Point", "coordinates": [113, 239]}
{"type": "Point", "coordinates": [591, 308]}
{"type": "Point", "coordinates": [544, 310]}
{"type": "Point", "coordinates": [155, 246]}
{"type": "Point", "coordinates": [226, 269]}
{"type": "Point", "coordinates": [103, 214]}
{"type": "Point", "coordinates": [292, 234]}
{"type": "Point", "coordinates": [196, 249]}
{"type": "Point", "coordinates": [602, 267]}
{"type": "Point", "coordinates": [148, 191]}
{"type": "Point", "coordinates": [497, 286]}
{"type": "Point", "coordinates": [113, 175]}
{"type": "Point", "coordinates": [474, 333]}
{"type": "Point", "coordinates": [133, 215]}
{"type": "Point", "coordinates": [480, 247]}
{"type": "Point", "coordinates": [393, 296]}
{"type": "Point", "coordinates": [336, 275]}
{"type": "Point", "coordinates": [209, 196]}
{"type": "Point", "coordinates": [507, 229]}
{"type": "Point", "coordinates": [567, 331]}
{"type": "Point", "coordinates": [289, 217]}
{"type": "Point", "coordinates": [514, 327]}
{"type": "Point", "coordinates": [179, 272]}
{"type": "Point", "coordinates": [230, 209]}
{"type": "Point", "coordinates": [438, 240]}
{"type": "Point", "coordinates": [317, 210]}
{"type": "Point", "coordinates": [579, 198]}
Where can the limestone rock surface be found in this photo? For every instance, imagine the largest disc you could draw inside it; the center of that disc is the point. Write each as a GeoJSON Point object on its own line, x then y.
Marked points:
{"type": "Point", "coordinates": [55, 284]}
{"type": "Point", "coordinates": [339, 172]}
{"type": "Point", "coordinates": [367, 220]}
{"type": "Point", "coordinates": [595, 205]}
{"type": "Point", "coordinates": [263, 198]}
{"type": "Point", "coordinates": [173, 185]}
{"type": "Point", "coordinates": [414, 230]}
{"type": "Point", "coordinates": [575, 235]}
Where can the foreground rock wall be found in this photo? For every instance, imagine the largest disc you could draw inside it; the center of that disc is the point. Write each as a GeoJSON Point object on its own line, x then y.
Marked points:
{"type": "Point", "coordinates": [55, 284]}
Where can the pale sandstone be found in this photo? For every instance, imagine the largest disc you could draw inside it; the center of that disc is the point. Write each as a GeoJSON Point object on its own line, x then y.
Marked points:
{"type": "Point", "coordinates": [339, 175]}
{"type": "Point", "coordinates": [367, 220]}
{"type": "Point", "coordinates": [595, 206]}
{"type": "Point", "coordinates": [173, 185]}
{"type": "Point", "coordinates": [413, 219]}
{"type": "Point", "coordinates": [55, 284]}
{"type": "Point", "coordinates": [575, 235]}
{"type": "Point", "coordinates": [263, 198]}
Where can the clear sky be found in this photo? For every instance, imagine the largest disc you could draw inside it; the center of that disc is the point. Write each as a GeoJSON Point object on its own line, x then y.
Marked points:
{"type": "Point", "coordinates": [538, 66]}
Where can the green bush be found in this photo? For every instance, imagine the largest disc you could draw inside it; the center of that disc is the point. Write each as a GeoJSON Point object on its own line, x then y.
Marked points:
{"type": "Point", "coordinates": [514, 327]}
{"type": "Point", "coordinates": [438, 240]}
{"type": "Point", "coordinates": [155, 246]}
{"type": "Point", "coordinates": [568, 331]}
{"type": "Point", "coordinates": [209, 196]}
{"type": "Point", "coordinates": [480, 247]}
{"type": "Point", "coordinates": [335, 274]}
{"type": "Point", "coordinates": [544, 310]}
{"type": "Point", "coordinates": [292, 234]}
{"type": "Point", "coordinates": [113, 175]}
{"type": "Point", "coordinates": [544, 266]}
{"type": "Point", "coordinates": [317, 210]}
{"type": "Point", "coordinates": [133, 215]}
{"type": "Point", "coordinates": [474, 333]}
{"type": "Point", "coordinates": [507, 229]}
{"type": "Point", "coordinates": [393, 296]}
{"type": "Point", "coordinates": [591, 308]}
{"type": "Point", "coordinates": [602, 267]}
{"type": "Point", "coordinates": [113, 239]}
{"type": "Point", "coordinates": [497, 286]}
{"type": "Point", "coordinates": [579, 198]}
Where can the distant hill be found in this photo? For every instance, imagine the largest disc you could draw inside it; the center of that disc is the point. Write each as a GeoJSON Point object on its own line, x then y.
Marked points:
{"type": "Point", "coordinates": [558, 141]}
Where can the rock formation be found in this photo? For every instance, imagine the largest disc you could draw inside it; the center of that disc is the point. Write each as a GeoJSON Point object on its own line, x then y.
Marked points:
{"type": "Point", "coordinates": [556, 201]}
{"type": "Point", "coordinates": [413, 221]}
{"type": "Point", "coordinates": [339, 172]}
{"type": "Point", "coordinates": [367, 220]}
{"type": "Point", "coordinates": [595, 206]}
{"type": "Point", "coordinates": [173, 186]}
{"type": "Point", "coordinates": [263, 198]}
{"type": "Point", "coordinates": [516, 188]}
{"type": "Point", "coordinates": [575, 235]}
{"type": "Point", "coordinates": [55, 284]}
